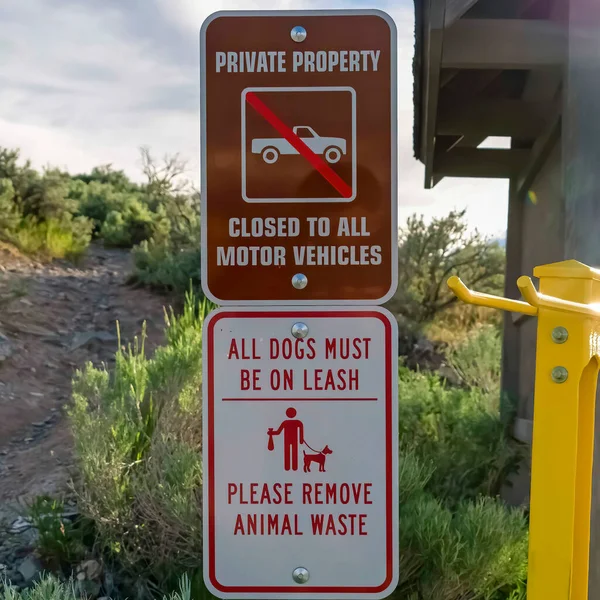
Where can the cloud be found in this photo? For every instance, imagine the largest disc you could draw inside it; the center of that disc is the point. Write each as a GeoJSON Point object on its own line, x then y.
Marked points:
{"type": "Point", "coordinates": [87, 83]}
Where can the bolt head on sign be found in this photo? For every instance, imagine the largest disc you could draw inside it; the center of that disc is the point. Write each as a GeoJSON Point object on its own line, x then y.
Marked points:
{"type": "Point", "coordinates": [300, 451]}
{"type": "Point", "coordinates": [298, 136]}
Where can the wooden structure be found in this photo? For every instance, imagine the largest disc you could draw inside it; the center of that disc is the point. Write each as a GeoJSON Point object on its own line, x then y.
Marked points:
{"type": "Point", "coordinates": [528, 70]}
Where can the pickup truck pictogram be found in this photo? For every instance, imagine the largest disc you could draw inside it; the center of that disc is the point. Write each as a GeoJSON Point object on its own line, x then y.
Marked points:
{"type": "Point", "coordinates": [271, 148]}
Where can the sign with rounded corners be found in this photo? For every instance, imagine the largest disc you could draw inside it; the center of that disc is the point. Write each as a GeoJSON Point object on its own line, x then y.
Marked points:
{"type": "Point", "coordinates": [299, 159]}
{"type": "Point", "coordinates": [300, 451]}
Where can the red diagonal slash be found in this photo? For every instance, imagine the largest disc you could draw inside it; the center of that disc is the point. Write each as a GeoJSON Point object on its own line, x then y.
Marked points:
{"type": "Point", "coordinates": [314, 159]}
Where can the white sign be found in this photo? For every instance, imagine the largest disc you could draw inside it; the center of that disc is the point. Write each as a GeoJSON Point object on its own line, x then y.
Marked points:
{"type": "Point", "coordinates": [300, 453]}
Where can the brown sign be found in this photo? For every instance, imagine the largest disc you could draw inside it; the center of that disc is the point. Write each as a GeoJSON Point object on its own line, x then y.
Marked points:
{"type": "Point", "coordinates": [299, 157]}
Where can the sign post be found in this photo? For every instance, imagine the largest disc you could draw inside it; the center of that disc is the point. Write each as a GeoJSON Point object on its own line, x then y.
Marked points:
{"type": "Point", "coordinates": [299, 244]}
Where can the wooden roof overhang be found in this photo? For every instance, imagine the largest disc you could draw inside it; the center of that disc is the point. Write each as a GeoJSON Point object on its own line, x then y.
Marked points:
{"type": "Point", "coordinates": [487, 68]}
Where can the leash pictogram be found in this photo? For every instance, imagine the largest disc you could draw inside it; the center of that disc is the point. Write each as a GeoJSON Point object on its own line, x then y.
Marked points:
{"type": "Point", "coordinates": [293, 439]}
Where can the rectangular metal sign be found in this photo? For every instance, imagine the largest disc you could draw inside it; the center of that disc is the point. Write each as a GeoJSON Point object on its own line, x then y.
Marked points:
{"type": "Point", "coordinates": [300, 453]}
{"type": "Point", "coordinates": [298, 137]}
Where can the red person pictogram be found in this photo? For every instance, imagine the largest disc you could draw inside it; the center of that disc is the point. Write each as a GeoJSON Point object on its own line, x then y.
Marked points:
{"type": "Point", "coordinates": [293, 437]}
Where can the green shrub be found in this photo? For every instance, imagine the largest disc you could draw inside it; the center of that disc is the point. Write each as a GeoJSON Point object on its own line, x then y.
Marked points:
{"type": "Point", "coordinates": [68, 238]}
{"type": "Point", "coordinates": [156, 265]}
{"type": "Point", "coordinates": [10, 215]}
{"type": "Point", "coordinates": [128, 227]}
{"type": "Point", "coordinates": [60, 541]}
{"type": "Point", "coordinates": [137, 441]}
{"type": "Point", "coordinates": [461, 432]}
{"type": "Point", "coordinates": [476, 551]}
{"type": "Point", "coordinates": [477, 359]}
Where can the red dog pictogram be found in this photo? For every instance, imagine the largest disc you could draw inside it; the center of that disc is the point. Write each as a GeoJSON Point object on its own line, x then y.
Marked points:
{"type": "Point", "coordinates": [319, 458]}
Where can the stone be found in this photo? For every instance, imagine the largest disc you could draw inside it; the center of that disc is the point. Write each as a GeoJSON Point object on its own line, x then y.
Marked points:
{"type": "Point", "coordinates": [91, 570]}
{"type": "Point", "coordinates": [39, 424]}
{"type": "Point", "coordinates": [83, 338]}
{"type": "Point", "coordinates": [6, 348]}
{"type": "Point", "coordinates": [30, 569]}
{"type": "Point", "coordinates": [19, 525]}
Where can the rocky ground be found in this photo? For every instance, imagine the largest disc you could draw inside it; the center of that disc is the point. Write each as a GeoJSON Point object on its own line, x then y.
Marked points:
{"type": "Point", "coordinates": [53, 319]}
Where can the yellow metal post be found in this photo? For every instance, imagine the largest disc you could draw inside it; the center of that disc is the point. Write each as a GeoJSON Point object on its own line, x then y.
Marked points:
{"type": "Point", "coordinates": [567, 363]}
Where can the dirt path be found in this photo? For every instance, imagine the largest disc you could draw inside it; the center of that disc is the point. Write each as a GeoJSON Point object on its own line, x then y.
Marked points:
{"type": "Point", "coordinates": [53, 319]}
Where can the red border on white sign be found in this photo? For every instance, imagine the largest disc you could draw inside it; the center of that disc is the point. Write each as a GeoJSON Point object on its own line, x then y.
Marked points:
{"type": "Point", "coordinates": [391, 506]}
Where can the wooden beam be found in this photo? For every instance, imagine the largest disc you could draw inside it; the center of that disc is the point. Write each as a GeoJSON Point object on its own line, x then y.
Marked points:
{"type": "Point", "coordinates": [447, 76]}
{"type": "Point", "coordinates": [434, 35]}
{"type": "Point", "coordinates": [455, 9]}
{"type": "Point", "coordinates": [539, 155]}
{"type": "Point", "coordinates": [480, 162]}
{"type": "Point", "coordinates": [448, 143]}
{"type": "Point", "coordinates": [503, 44]}
{"type": "Point", "coordinates": [471, 83]}
{"type": "Point", "coordinates": [497, 117]}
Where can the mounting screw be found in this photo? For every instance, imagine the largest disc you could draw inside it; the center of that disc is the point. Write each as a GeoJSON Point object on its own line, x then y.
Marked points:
{"type": "Point", "coordinates": [299, 281]}
{"type": "Point", "coordinates": [300, 330]}
{"type": "Point", "coordinates": [298, 34]}
{"type": "Point", "coordinates": [301, 575]}
{"type": "Point", "coordinates": [559, 374]}
{"type": "Point", "coordinates": [560, 335]}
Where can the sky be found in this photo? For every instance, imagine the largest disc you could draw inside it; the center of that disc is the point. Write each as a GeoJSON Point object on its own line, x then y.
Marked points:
{"type": "Point", "coordinates": [87, 82]}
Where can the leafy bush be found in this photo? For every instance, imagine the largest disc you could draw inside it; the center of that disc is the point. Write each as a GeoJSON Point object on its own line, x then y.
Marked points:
{"type": "Point", "coordinates": [477, 359]}
{"type": "Point", "coordinates": [36, 212]}
{"type": "Point", "coordinates": [137, 440]}
{"type": "Point", "coordinates": [9, 212]}
{"type": "Point", "coordinates": [158, 266]}
{"type": "Point", "coordinates": [429, 253]}
{"type": "Point", "coordinates": [68, 238]}
{"type": "Point", "coordinates": [460, 432]}
{"type": "Point", "coordinates": [171, 258]}
{"type": "Point", "coordinates": [476, 551]}
{"type": "Point", "coordinates": [54, 214]}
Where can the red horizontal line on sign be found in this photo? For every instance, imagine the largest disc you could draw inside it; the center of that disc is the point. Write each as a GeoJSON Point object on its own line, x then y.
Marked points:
{"type": "Point", "coordinates": [299, 399]}
{"type": "Point", "coordinates": [314, 159]}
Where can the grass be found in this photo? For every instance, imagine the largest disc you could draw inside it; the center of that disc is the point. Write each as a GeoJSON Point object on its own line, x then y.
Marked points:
{"type": "Point", "coordinates": [60, 542]}
{"type": "Point", "coordinates": [50, 588]}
